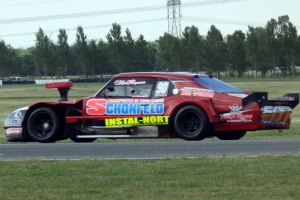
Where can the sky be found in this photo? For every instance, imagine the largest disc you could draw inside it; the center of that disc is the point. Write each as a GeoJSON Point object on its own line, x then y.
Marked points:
{"type": "Point", "coordinates": [21, 19]}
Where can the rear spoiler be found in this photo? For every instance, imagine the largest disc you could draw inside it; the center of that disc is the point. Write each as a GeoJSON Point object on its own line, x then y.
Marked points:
{"type": "Point", "coordinates": [63, 88]}
{"type": "Point", "coordinates": [262, 98]}
{"type": "Point", "coordinates": [292, 98]}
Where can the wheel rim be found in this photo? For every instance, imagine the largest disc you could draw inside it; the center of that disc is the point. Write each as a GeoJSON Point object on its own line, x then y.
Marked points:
{"type": "Point", "coordinates": [190, 123]}
{"type": "Point", "coordinates": [42, 125]}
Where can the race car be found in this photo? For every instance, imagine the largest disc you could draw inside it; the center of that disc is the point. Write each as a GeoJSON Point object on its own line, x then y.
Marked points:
{"type": "Point", "coordinates": [151, 105]}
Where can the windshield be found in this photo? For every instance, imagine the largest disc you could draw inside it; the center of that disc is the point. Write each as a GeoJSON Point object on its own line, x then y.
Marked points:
{"type": "Point", "coordinates": [217, 85]}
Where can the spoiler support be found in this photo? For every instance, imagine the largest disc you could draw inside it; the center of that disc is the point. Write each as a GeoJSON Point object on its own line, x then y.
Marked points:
{"type": "Point", "coordinates": [257, 97]}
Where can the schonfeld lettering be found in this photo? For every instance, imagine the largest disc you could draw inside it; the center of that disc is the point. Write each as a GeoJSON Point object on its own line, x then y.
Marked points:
{"type": "Point", "coordinates": [136, 109]}
{"type": "Point", "coordinates": [136, 121]}
{"type": "Point", "coordinates": [101, 107]}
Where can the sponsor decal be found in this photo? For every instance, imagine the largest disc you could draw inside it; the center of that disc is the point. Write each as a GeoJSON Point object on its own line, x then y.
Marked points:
{"type": "Point", "coordinates": [137, 121]}
{"type": "Point", "coordinates": [273, 121]}
{"type": "Point", "coordinates": [196, 92]}
{"type": "Point", "coordinates": [15, 119]}
{"type": "Point", "coordinates": [125, 106]}
{"type": "Point", "coordinates": [13, 131]}
{"type": "Point", "coordinates": [236, 115]}
{"type": "Point", "coordinates": [129, 82]}
{"type": "Point", "coordinates": [276, 115]}
{"type": "Point", "coordinates": [276, 109]}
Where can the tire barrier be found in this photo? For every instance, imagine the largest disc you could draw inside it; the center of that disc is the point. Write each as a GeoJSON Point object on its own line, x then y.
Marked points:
{"type": "Point", "coordinates": [17, 82]}
{"type": "Point", "coordinates": [81, 80]}
{"type": "Point", "coordinates": [90, 80]}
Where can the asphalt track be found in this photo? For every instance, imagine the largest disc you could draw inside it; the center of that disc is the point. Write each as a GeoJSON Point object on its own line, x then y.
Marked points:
{"type": "Point", "coordinates": [147, 150]}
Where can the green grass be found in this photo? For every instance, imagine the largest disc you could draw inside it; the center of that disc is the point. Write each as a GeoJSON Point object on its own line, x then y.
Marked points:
{"type": "Point", "coordinates": [16, 96]}
{"type": "Point", "coordinates": [240, 177]}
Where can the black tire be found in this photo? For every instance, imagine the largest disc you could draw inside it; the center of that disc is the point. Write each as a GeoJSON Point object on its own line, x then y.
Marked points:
{"type": "Point", "coordinates": [191, 123]}
{"type": "Point", "coordinates": [233, 135]}
{"type": "Point", "coordinates": [84, 140]}
{"type": "Point", "coordinates": [43, 125]}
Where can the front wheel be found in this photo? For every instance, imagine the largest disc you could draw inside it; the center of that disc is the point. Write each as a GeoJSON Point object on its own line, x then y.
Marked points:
{"type": "Point", "coordinates": [191, 123]}
{"type": "Point", "coordinates": [43, 125]}
{"type": "Point", "coordinates": [233, 135]}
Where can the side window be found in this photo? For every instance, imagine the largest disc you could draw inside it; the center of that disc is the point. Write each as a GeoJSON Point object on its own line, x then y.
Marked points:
{"type": "Point", "coordinates": [129, 87]}
{"type": "Point", "coordinates": [164, 88]}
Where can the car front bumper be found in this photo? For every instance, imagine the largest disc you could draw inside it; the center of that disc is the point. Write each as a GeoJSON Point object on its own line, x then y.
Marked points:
{"type": "Point", "coordinates": [14, 133]}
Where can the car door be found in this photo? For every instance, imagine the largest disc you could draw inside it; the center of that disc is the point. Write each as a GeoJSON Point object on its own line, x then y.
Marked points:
{"type": "Point", "coordinates": [122, 102]}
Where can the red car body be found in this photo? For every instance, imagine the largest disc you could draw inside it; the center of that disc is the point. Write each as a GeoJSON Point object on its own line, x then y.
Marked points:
{"type": "Point", "coordinates": [152, 105]}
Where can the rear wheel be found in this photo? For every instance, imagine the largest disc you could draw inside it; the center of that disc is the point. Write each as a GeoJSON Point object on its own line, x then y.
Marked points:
{"type": "Point", "coordinates": [85, 140]}
{"type": "Point", "coordinates": [233, 135]}
{"type": "Point", "coordinates": [43, 125]}
{"type": "Point", "coordinates": [191, 123]}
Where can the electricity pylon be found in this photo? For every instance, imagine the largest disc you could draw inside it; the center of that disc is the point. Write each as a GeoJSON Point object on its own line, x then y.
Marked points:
{"type": "Point", "coordinates": [174, 17]}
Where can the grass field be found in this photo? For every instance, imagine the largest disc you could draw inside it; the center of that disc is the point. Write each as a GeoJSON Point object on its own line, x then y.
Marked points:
{"type": "Point", "coordinates": [239, 177]}
{"type": "Point", "coordinates": [263, 177]}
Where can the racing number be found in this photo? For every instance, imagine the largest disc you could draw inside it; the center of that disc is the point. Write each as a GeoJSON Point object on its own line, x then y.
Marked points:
{"type": "Point", "coordinates": [162, 88]}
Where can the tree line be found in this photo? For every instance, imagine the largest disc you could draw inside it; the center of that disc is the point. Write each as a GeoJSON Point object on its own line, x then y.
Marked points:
{"type": "Point", "coordinates": [261, 49]}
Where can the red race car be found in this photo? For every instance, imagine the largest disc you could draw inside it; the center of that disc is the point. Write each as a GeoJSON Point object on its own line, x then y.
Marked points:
{"type": "Point", "coordinates": [152, 105]}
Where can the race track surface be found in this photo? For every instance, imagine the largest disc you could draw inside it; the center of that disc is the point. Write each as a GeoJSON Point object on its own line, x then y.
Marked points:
{"type": "Point", "coordinates": [147, 150]}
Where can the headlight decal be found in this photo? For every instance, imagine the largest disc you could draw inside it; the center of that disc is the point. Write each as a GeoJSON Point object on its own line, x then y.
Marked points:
{"type": "Point", "coordinates": [15, 118]}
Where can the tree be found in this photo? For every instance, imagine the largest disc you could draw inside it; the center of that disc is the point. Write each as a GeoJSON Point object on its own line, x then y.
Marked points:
{"type": "Point", "coordinates": [3, 59]}
{"type": "Point", "coordinates": [292, 47]}
{"type": "Point", "coordinates": [256, 50]}
{"type": "Point", "coordinates": [81, 49]}
{"type": "Point", "coordinates": [215, 50]}
{"type": "Point", "coordinates": [236, 52]}
{"type": "Point", "coordinates": [193, 47]}
{"type": "Point", "coordinates": [282, 36]}
{"type": "Point", "coordinates": [93, 55]}
{"type": "Point", "coordinates": [8, 60]}
{"type": "Point", "coordinates": [116, 46]}
{"type": "Point", "coordinates": [63, 49]}
{"type": "Point", "coordinates": [169, 52]}
{"type": "Point", "coordinates": [41, 52]}
{"type": "Point", "coordinates": [129, 52]}
{"type": "Point", "coordinates": [104, 63]}
{"type": "Point", "coordinates": [144, 55]}
{"type": "Point", "coordinates": [272, 45]}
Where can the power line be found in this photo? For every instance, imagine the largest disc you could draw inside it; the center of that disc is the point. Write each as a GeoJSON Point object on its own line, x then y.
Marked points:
{"type": "Point", "coordinates": [32, 3]}
{"type": "Point", "coordinates": [108, 12]}
{"type": "Point", "coordinates": [186, 18]}
{"type": "Point", "coordinates": [88, 27]}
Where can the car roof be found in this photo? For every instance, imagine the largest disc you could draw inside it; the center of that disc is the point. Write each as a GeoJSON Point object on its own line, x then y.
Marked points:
{"type": "Point", "coordinates": [174, 75]}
